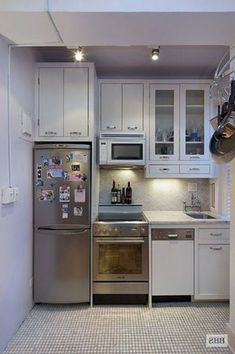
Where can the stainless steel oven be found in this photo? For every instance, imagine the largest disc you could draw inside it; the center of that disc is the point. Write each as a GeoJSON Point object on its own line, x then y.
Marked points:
{"type": "Point", "coordinates": [120, 257]}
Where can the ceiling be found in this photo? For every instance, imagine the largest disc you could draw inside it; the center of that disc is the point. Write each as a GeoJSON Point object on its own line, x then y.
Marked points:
{"type": "Point", "coordinates": [175, 61]}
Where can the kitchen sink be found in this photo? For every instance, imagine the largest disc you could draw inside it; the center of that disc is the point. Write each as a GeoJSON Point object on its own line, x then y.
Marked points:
{"type": "Point", "coordinates": [199, 215]}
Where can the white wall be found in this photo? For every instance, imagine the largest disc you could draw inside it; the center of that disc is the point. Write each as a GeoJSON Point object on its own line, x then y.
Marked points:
{"type": "Point", "coordinates": [16, 219]}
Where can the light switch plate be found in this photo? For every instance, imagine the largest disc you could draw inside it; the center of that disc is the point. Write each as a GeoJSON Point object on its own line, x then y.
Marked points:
{"type": "Point", "coordinates": [192, 187]}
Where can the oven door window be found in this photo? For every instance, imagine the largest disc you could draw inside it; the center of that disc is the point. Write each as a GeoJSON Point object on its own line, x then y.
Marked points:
{"type": "Point", "coordinates": [127, 151]}
{"type": "Point", "coordinates": [120, 259]}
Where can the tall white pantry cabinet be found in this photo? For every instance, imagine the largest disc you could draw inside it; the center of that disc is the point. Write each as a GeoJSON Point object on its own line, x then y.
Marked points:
{"type": "Point", "coordinates": [65, 102]}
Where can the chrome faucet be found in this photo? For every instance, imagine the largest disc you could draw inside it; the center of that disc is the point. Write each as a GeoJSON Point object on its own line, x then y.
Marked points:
{"type": "Point", "coordinates": [195, 204]}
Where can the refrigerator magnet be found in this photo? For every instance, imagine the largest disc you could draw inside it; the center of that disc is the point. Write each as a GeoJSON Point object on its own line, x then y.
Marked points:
{"type": "Point", "coordinates": [79, 195]}
{"type": "Point", "coordinates": [55, 172]}
{"type": "Point", "coordinates": [75, 166]}
{"type": "Point", "coordinates": [64, 194]}
{"type": "Point", "coordinates": [56, 161]}
{"type": "Point", "coordinates": [77, 211]}
{"type": "Point", "coordinates": [74, 176]}
{"type": "Point", "coordinates": [78, 157]}
{"type": "Point", "coordinates": [39, 171]}
{"type": "Point", "coordinates": [45, 162]}
{"type": "Point", "coordinates": [46, 195]}
{"type": "Point", "coordinates": [65, 211]}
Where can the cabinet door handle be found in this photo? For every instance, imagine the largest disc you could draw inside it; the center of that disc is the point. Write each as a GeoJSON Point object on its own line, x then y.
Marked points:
{"type": "Point", "coordinates": [216, 248]}
{"type": "Point", "coordinates": [194, 169]}
{"type": "Point", "coordinates": [132, 127]}
{"type": "Point", "coordinates": [219, 234]}
{"type": "Point", "coordinates": [164, 157]}
{"type": "Point", "coordinates": [75, 133]}
{"type": "Point", "coordinates": [50, 133]}
{"type": "Point", "coordinates": [164, 169]}
{"type": "Point", "coordinates": [111, 127]}
{"type": "Point", "coordinates": [195, 157]}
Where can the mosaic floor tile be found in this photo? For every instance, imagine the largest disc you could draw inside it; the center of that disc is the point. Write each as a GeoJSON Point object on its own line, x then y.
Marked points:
{"type": "Point", "coordinates": [166, 328]}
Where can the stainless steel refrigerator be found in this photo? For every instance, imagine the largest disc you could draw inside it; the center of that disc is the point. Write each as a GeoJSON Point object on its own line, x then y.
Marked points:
{"type": "Point", "coordinates": [61, 223]}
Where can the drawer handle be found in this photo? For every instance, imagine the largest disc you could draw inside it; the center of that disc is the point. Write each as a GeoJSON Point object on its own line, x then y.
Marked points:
{"type": "Point", "coordinates": [164, 169]}
{"type": "Point", "coordinates": [75, 133]}
{"type": "Point", "coordinates": [111, 127]}
{"type": "Point", "coordinates": [172, 236]}
{"type": "Point", "coordinates": [219, 234]}
{"type": "Point", "coordinates": [216, 248]}
{"type": "Point", "coordinates": [132, 127]}
{"type": "Point", "coordinates": [194, 157]}
{"type": "Point", "coordinates": [164, 157]}
{"type": "Point", "coordinates": [50, 133]}
{"type": "Point", "coordinates": [194, 169]}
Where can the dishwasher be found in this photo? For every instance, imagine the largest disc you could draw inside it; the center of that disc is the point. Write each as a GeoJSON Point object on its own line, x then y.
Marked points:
{"type": "Point", "coordinates": [172, 262]}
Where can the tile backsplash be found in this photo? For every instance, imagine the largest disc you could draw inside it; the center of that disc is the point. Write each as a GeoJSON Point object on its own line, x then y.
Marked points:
{"type": "Point", "coordinates": [154, 194]}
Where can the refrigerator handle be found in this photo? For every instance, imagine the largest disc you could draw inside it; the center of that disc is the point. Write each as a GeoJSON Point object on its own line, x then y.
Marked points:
{"type": "Point", "coordinates": [65, 232]}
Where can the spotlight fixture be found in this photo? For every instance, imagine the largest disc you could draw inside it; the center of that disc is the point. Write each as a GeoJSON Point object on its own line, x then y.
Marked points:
{"type": "Point", "coordinates": [79, 54]}
{"type": "Point", "coordinates": [155, 53]}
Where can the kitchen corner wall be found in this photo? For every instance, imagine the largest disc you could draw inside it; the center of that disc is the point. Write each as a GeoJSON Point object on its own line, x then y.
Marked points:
{"type": "Point", "coordinates": [154, 194]}
{"type": "Point", "coordinates": [16, 242]}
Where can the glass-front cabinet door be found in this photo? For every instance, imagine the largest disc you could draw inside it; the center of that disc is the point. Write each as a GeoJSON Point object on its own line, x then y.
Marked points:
{"type": "Point", "coordinates": [194, 115]}
{"type": "Point", "coordinates": [164, 122]}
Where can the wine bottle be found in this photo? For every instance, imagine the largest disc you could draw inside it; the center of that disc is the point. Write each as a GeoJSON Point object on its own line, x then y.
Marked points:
{"type": "Point", "coordinates": [123, 197]}
{"type": "Point", "coordinates": [128, 193]}
{"type": "Point", "coordinates": [113, 194]}
{"type": "Point", "coordinates": [118, 194]}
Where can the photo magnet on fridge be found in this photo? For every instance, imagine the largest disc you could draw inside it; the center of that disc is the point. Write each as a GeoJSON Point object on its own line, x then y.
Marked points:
{"type": "Point", "coordinates": [79, 195]}
{"type": "Point", "coordinates": [56, 172]}
{"type": "Point", "coordinates": [64, 194]}
{"type": "Point", "coordinates": [65, 211]}
{"type": "Point", "coordinates": [77, 211]}
{"type": "Point", "coordinates": [75, 166]}
{"type": "Point", "coordinates": [46, 195]}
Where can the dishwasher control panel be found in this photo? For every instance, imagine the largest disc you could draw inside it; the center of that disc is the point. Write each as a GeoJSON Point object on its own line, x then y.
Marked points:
{"type": "Point", "coordinates": [172, 234]}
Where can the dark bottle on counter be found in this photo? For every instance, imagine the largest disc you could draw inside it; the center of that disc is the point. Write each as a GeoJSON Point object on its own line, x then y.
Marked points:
{"type": "Point", "coordinates": [118, 194]}
{"type": "Point", "coordinates": [113, 194]}
{"type": "Point", "coordinates": [123, 197]}
{"type": "Point", "coordinates": [128, 193]}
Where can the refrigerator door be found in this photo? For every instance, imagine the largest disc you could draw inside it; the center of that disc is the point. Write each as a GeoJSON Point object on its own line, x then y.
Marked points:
{"type": "Point", "coordinates": [62, 185]}
{"type": "Point", "coordinates": [61, 266]}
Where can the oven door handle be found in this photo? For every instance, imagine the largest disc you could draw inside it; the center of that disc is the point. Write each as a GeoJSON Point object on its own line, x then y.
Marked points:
{"type": "Point", "coordinates": [120, 240]}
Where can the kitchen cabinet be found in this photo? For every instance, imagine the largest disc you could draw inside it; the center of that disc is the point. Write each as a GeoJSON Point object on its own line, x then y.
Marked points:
{"type": "Point", "coordinates": [194, 113]}
{"type": "Point", "coordinates": [121, 106]}
{"type": "Point", "coordinates": [164, 122]}
{"type": "Point", "coordinates": [65, 102]}
{"type": "Point", "coordinates": [212, 264]}
{"type": "Point", "coordinates": [179, 131]}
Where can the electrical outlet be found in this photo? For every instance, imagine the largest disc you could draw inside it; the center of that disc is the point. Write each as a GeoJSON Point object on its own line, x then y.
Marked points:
{"type": "Point", "coordinates": [192, 187]}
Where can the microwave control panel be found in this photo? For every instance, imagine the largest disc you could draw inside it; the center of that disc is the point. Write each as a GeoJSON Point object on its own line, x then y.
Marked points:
{"type": "Point", "coordinates": [103, 152]}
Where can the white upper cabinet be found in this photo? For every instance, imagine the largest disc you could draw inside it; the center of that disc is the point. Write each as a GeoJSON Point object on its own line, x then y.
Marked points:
{"type": "Point", "coordinates": [194, 114]}
{"type": "Point", "coordinates": [111, 107]}
{"type": "Point", "coordinates": [76, 102]}
{"type": "Point", "coordinates": [65, 102]}
{"type": "Point", "coordinates": [50, 102]}
{"type": "Point", "coordinates": [121, 106]}
{"type": "Point", "coordinates": [133, 107]}
{"type": "Point", "coordinates": [164, 122]}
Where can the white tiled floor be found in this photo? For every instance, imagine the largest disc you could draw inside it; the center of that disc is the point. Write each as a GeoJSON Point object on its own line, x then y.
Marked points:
{"type": "Point", "coordinates": [167, 328]}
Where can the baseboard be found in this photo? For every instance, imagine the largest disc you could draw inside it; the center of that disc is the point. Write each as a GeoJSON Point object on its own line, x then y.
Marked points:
{"type": "Point", "coordinates": [231, 337]}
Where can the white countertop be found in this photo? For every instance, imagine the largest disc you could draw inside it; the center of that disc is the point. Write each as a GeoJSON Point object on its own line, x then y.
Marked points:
{"type": "Point", "coordinates": [179, 217]}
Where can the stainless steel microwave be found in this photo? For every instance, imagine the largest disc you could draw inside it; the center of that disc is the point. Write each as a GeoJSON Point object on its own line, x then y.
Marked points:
{"type": "Point", "coordinates": [122, 149]}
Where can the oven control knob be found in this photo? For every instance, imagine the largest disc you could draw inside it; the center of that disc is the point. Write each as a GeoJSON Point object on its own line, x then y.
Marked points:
{"type": "Point", "coordinates": [116, 229]}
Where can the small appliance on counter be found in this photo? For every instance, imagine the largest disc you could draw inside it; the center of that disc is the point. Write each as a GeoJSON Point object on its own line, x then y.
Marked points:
{"type": "Point", "coordinates": [61, 223]}
{"type": "Point", "coordinates": [120, 252]}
